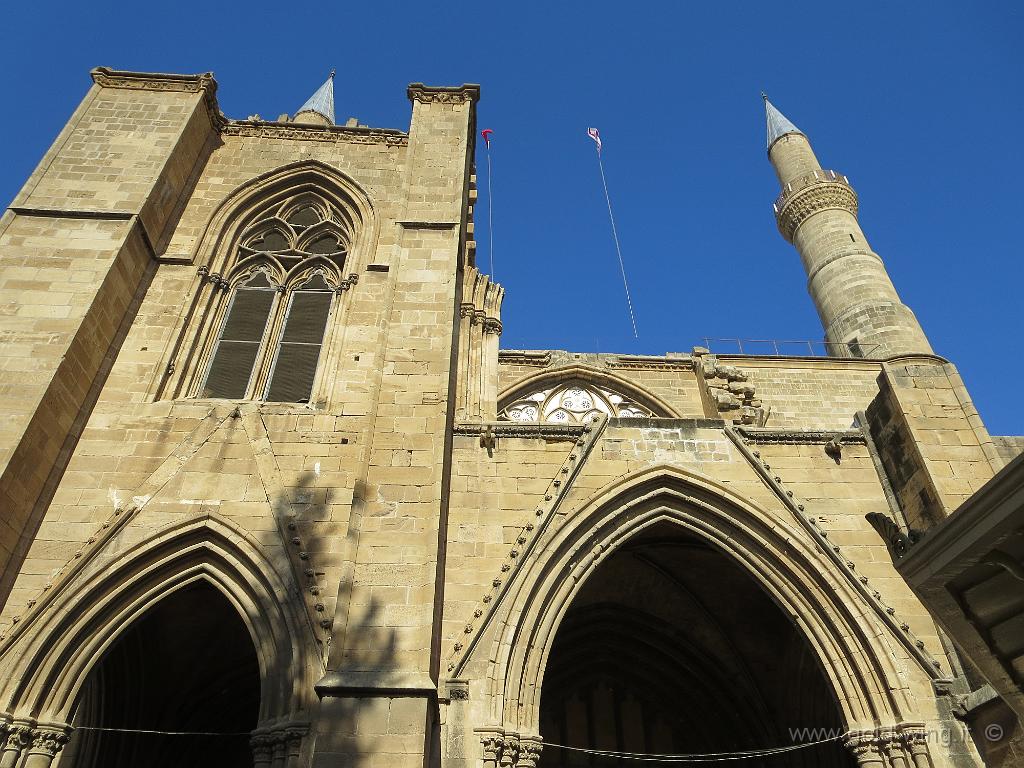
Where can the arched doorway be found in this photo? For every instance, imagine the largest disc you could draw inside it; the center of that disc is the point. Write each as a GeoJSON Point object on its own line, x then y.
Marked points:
{"type": "Point", "coordinates": [187, 664]}
{"type": "Point", "coordinates": [672, 647]}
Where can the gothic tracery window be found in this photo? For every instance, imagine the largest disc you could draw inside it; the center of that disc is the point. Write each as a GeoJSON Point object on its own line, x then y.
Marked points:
{"type": "Point", "coordinates": [575, 402]}
{"type": "Point", "coordinates": [288, 270]}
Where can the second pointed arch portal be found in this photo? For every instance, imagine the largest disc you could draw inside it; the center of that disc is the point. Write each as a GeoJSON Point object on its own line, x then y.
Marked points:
{"type": "Point", "coordinates": [672, 616]}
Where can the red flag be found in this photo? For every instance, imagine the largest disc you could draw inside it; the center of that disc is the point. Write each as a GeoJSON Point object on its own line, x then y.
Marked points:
{"type": "Point", "coordinates": [486, 133]}
{"type": "Point", "coordinates": [593, 133]}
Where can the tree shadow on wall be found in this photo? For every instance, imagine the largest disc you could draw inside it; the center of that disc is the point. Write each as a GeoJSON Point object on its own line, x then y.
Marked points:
{"type": "Point", "coordinates": [351, 719]}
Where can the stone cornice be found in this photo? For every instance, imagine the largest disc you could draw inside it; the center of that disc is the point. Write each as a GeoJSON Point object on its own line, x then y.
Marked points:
{"type": "Point", "coordinates": [650, 363]}
{"type": "Point", "coordinates": [531, 357]}
{"type": "Point", "coordinates": [801, 436]}
{"type": "Point", "coordinates": [515, 429]}
{"type": "Point", "coordinates": [162, 81]}
{"type": "Point", "coordinates": [350, 134]}
{"type": "Point", "coordinates": [428, 94]}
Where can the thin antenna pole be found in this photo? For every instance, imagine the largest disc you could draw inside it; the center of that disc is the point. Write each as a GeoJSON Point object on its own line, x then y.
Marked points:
{"type": "Point", "coordinates": [615, 236]}
{"type": "Point", "coordinates": [490, 210]}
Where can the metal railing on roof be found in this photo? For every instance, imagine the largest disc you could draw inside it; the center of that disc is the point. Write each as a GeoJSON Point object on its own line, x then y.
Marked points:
{"type": "Point", "coordinates": [788, 347]}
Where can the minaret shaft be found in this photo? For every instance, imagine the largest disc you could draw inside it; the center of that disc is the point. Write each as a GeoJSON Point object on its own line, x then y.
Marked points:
{"type": "Point", "coordinates": [817, 211]}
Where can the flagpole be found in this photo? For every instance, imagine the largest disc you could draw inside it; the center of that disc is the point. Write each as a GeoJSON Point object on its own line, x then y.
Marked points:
{"type": "Point", "coordinates": [486, 134]}
{"type": "Point", "coordinates": [615, 236]}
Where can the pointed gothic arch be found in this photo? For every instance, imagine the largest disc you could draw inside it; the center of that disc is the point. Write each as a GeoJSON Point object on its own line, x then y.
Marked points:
{"type": "Point", "coordinates": [46, 665]}
{"type": "Point", "coordinates": [304, 205]}
{"type": "Point", "coordinates": [861, 666]}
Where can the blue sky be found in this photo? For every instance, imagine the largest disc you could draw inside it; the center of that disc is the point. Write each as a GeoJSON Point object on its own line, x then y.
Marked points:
{"type": "Point", "coordinates": [920, 104]}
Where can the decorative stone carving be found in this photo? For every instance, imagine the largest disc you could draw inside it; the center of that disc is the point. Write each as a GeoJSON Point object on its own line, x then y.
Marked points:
{"type": "Point", "coordinates": [507, 429]}
{"type": "Point", "coordinates": [800, 436]}
{"type": "Point", "coordinates": [650, 363]}
{"type": "Point", "coordinates": [326, 133]}
{"type": "Point", "coordinates": [534, 359]}
{"type": "Point", "coordinates": [801, 204]}
{"type": "Point", "coordinates": [865, 748]}
{"type": "Point", "coordinates": [898, 541]}
{"type": "Point", "coordinates": [436, 95]}
{"type": "Point", "coordinates": [575, 402]}
{"type": "Point", "coordinates": [503, 749]}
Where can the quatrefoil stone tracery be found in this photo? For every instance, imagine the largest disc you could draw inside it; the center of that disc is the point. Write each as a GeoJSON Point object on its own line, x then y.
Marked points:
{"type": "Point", "coordinates": [572, 403]}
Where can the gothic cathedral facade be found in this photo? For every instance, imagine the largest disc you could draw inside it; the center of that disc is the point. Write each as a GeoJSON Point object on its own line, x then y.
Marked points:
{"type": "Point", "coordinates": [274, 496]}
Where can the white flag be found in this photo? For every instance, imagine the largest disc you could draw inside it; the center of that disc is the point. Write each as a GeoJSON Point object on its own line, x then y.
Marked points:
{"type": "Point", "coordinates": [592, 133]}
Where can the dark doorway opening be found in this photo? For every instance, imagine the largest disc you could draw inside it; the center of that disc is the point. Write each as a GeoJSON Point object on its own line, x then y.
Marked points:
{"type": "Point", "coordinates": [672, 648]}
{"type": "Point", "coordinates": [188, 664]}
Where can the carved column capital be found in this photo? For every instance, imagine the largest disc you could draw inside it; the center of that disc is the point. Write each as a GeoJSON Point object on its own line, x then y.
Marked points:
{"type": "Point", "coordinates": [529, 752]}
{"type": "Point", "coordinates": [18, 737]}
{"type": "Point", "coordinates": [262, 746]}
{"type": "Point", "coordinates": [48, 741]}
{"type": "Point", "coordinates": [865, 748]}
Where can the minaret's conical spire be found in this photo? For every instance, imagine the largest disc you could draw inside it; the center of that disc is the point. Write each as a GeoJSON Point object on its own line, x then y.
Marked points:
{"type": "Point", "coordinates": [321, 102]}
{"type": "Point", "coordinates": [778, 125]}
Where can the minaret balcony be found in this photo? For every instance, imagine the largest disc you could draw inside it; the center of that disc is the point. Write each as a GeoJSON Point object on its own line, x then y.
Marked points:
{"type": "Point", "coordinates": [817, 191]}
{"type": "Point", "coordinates": [808, 180]}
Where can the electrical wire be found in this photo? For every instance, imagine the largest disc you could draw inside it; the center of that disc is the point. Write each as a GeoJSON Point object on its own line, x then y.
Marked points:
{"type": "Point", "coordinates": [697, 757]}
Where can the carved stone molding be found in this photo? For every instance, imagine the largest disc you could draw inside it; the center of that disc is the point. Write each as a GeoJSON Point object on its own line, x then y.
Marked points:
{"type": "Point", "coordinates": [516, 429]}
{"type": "Point", "coordinates": [810, 200]}
{"type": "Point", "coordinates": [330, 133]}
{"type": "Point", "coordinates": [426, 94]}
{"type": "Point", "coordinates": [800, 436]}
{"type": "Point", "coordinates": [650, 363]}
{"type": "Point", "coordinates": [532, 358]}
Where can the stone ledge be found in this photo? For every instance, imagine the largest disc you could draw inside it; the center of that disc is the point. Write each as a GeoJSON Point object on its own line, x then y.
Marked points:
{"type": "Point", "coordinates": [366, 684]}
{"type": "Point", "coordinates": [515, 429]}
{"type": "Point", "coordinates": [801, 436]}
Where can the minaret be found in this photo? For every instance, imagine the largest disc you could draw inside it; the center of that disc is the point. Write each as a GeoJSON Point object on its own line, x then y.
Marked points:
{"type": "Point", "coordinates": [319, 108]}
{"type": "Point", "coordinates": [817, 212]}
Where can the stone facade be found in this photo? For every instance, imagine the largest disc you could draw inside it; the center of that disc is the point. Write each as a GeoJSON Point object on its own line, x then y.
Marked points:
{"type": "Point", "coordinates": [403, 557]}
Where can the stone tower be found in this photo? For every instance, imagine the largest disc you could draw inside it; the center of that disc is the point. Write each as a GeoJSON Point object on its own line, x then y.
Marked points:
{"type": "Point", "coordinates": [817, 212]}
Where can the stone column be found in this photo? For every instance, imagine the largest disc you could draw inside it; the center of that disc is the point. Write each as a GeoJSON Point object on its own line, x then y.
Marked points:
{"type": "Point", "coordinates": [865, 748]}
{"type": "Point", "coordinates": [17, 738]}
{"type": "Point", "coordinates": [917, 745]}
{"type": "Point", "coordinates": [891, 744]}
{"type": "Point", "coordinates": [46, 743]}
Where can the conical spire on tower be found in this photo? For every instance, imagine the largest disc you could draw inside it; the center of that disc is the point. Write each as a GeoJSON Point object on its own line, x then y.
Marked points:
{"type": "Point", "coordinates": [321, 102]}
{"type": "Point", "coordinates": [778, 124]}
